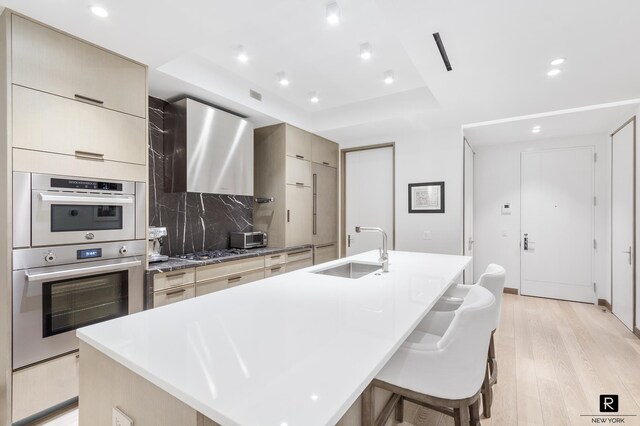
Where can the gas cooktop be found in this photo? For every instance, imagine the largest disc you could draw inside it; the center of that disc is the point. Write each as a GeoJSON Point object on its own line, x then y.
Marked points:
{"type": "Point", "coordinates": [214, 254]}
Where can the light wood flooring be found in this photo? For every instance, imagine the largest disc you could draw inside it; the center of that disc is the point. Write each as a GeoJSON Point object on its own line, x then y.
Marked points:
{"type": "Point", "coordinates": [555, 358]}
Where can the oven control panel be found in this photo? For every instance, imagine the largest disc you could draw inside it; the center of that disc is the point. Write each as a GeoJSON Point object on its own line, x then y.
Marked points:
{"type": "Point", "coordinates": [91, 253]}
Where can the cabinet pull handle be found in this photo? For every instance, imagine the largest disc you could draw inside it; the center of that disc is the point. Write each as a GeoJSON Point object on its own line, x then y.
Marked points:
{"type": "Point", "coordinates": [234, 279]}
{"type": "Point", "coordinates": [87, 99]}
{"type": "Point", "coordinates": [172, 293]}
{"type": "Point", "coordinates": [299, 184]}
{"type": "Point", "coordinates": [325, 245]}
{"type": "Point", "coordinates": [315, 203]}
{"type": "Point", "coordinates": [179, 274]}
{"type": "Point", "coordinates": [300, 156]}
{"type": "Point", "coordinates": [299, 251]}
{"type": "Point", "coordinates": [326, 163]}
{"type": "Point", "coordinates": [276, 269]}
{"type": "Point", "coordinates": [276, 256]}
{"type": "Point", "coordinates": [288, 215]}
{"type": "Point", "coordinates": [90, 155]}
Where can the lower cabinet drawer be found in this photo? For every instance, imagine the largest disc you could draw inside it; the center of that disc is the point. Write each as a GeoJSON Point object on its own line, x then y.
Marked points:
{"type": "Point", "coordinates": [231, 268]}
{"type": "Point", "coordinates": [294, 256]}
{"type": "Point", "coordinates": [275, 259]}
{"type": "Point", "coordinates": [174, 279]}
{"type": "Point", "coordinates": [217, 284]}
{"type": "Point", "coordinates": [274, 270]}
{"type": "Point", "coordinates": [44, 385]}
{"type": "Point", "coordinates": [299, 264]}
{"type": "Point", "coordinates": [173, 295]}
{"type": "Point", "coordinates": [325, 253]}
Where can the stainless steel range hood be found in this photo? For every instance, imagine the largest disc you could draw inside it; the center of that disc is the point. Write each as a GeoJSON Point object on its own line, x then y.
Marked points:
{"type": "Point", "coordinates": [207, 150]}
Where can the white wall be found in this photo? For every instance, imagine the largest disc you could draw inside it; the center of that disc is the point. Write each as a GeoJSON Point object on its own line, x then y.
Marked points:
{"type": "Point", "coordinates": [497, 182]}
{"type": "Point", "coordinates": [424, 155]}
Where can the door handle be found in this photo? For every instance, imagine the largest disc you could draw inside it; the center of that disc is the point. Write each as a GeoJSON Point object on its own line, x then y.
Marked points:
{"type": "Point", "coordinates": [629, 253]}
{"type": "Point", "coordinates": [470, 244]}
{"type": "Point", "coordinates": [349, 240]}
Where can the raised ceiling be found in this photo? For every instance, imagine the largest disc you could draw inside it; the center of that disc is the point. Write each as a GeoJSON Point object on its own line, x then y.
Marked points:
{"type": "Point", "coordinates": [500, 51]}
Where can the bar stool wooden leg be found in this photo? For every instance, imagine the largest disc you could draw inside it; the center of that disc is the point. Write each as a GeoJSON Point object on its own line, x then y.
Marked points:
{"type": "Point", "coordinates": [487, 394]}
{"type": "Point", "coordinates": [474, 413]}
{"type": "Point", "coordinates": [492, 358]}
{"type": "Point", "coordinates": [368, 407]}
{"type": "Point", "coordinates": [400, 410]}
{"type": "Point", "coordinates": [461, 415]}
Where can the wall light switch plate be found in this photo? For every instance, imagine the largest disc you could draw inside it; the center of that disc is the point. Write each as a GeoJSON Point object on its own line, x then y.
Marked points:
{"type": "Point", "coordinates": [506, 208]}
{"type": "Point", "coordinates": [118, 418]}
{"type": "Point", "coordinates": [427, 235]}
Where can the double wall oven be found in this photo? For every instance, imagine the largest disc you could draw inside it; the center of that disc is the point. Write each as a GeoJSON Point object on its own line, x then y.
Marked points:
{"type": "Point", "coordinates": [78, 259]}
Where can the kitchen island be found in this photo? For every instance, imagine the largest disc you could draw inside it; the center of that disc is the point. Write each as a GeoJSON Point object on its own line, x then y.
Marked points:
{"type": "Point", "coordinates": [294, 349]}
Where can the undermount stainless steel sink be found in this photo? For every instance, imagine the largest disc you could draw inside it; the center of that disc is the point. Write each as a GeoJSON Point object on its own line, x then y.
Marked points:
{"type": "Point", "coordinates": [353, 270]}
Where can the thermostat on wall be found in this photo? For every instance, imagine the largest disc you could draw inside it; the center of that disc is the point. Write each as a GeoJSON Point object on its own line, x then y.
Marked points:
{"type": "Point", "coordinates": [506, 208]}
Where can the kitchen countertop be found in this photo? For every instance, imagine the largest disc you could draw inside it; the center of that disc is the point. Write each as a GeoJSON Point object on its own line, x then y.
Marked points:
{"type": "Point", "coordinates": [175, 263]}
{"type": "Point", "coordinates": [295, 349]}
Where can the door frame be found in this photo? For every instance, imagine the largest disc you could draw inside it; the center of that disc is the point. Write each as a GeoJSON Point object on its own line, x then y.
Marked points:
{"type": "Point", "coordinates": [343, 192]}
{"type": "Point", "coordinates": [633, 273]}
{"type": "Point", "coordinates": [465, 143]}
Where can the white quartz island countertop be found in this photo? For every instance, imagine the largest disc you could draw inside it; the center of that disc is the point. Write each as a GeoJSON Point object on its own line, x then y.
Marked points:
{"type": "Point", "coordinates": [294, 349]}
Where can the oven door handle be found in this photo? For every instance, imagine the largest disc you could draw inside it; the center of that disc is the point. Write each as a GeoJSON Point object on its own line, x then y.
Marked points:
{"type": "Point", "coordinates": [86, 199]}
{"type": "Point", "coordinates": [71, 273]}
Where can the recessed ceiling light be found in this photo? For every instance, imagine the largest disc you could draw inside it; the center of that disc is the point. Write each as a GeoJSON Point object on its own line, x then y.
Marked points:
{"type": "Point", "coordinates": [365, 51]}
{"type": "Point", "coordinates": [313, 97]}
{"type": "Point", "coordinates": [553, 72]}
{"type": "Point", "coordinates": [333, 13]}
{"type": "Point", "coordinates": [388, 77]}
{"type": "Point", "coordinates": [99, 11]}
{"type": "Point", "coordinates": [558, 61]}
{"type": "Point", "coordinates": [536, 129]}
{"type": "Point", "coordinates": [241, 55]}
{"type": "Point", "coordinates": [282, 79]}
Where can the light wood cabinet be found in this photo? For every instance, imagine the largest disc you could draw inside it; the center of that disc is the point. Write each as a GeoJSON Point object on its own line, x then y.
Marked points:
{"type": "Point", "coordinates": [298, 142]}
{"type": "Point", "coordinates": [325, 204]}
{"type": "Point", "coordinates": [220, 276]}
{"type": "Point", "coordinates": [299, 259]}
{"type": "Point", "coordinates": [299, 215]}
{"type": "Point", "coordinates": [298, 170]}
{"type": "Point", "coordinates": [50, 61]}
{"type": "Point", "coordinates": [275, 259]}
{"type": "Point", "coordinates": [275, 270]}
{"type": "Point", "coordinates": [173, 295]}
{"type": "Point", "coordinates": [44, 385]}
{"type": "Point", "coordinates": [174, 279]}
{"type": "Point", "coordinates": [323, 151]}
{"type": "Point", "coordinates": [325, 253]}
{"type": "Point", "coordinates": [43, 122]}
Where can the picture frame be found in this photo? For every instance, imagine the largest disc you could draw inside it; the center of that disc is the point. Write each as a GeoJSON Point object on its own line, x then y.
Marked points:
{"type": "Point", "coordinates": [427, 197]}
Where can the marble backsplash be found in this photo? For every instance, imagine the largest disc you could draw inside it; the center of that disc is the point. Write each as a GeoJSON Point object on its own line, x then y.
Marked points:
{"type": "Point", "coordinates": [194, 221]}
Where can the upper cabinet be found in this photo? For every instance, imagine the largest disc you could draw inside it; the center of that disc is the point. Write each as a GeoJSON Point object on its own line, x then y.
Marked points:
{"type": "Point", "coordinates": [50, 61]}
{"type": "Point", "coordinates": [298, 143]}
{"type": "Point", "coordinates": [323, 151]}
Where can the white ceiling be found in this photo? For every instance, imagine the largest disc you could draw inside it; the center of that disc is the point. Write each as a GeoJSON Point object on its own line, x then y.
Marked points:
{"type": "Point", "coordinates": [500, 51]}
{"type": "Point", "coordinates": [554, 126]}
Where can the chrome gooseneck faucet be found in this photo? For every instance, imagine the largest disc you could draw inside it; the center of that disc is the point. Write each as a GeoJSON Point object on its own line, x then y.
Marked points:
{"type": "Point", "coordinates": [384, 255]}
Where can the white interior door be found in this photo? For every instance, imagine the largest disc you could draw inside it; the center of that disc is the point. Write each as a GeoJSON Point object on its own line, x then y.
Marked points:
{"type": "Point", "coordinates": [468, 211]}
{"type": "Point", "coordinates": [622, 224]}
{"type": "Point", "coordinates": [369, 197]}
{"type": "Point", "coordinates": [557, 223]}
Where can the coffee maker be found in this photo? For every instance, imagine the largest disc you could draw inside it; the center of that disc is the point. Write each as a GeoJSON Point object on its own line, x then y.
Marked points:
{"type": "Point", "coordinates": [156, 234]}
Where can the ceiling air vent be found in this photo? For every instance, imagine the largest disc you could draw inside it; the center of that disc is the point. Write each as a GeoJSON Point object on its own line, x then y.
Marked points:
{"type": "Point", "coordinates": [443, 52]}
{"type": "Point", "coordinates": [255, 95]}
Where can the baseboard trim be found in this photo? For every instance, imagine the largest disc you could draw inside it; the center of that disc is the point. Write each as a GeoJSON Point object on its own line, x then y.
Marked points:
{"type": "Point", "coordinates": [605, 303]}
{"type": "Point", "coordinates": [511, 290]}
{"type": "Point", "coordinates": [636, 331]}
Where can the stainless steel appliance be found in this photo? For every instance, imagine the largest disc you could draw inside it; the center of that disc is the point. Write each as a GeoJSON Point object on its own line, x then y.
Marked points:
{"type": "Point", "coordinates": [208, 150]}
{"type": "Point", "coordinates": [156, 234]}
{"type": "Point", "coordinates": [53, 210]}
{"type": "Point", "coordinates": [247, 239]}
{"type": "Point", "coordinates": [59, 289]}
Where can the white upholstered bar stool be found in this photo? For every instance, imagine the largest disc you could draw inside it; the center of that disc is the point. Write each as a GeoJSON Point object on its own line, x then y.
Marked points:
{"type": "Point", "coordinates": [442, 372]}
{"type": "Point", "coordinates": [492, 279]}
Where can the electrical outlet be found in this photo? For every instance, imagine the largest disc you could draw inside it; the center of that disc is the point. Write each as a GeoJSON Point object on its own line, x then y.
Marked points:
{"type": "Point", "coordinates": [118, 418]}
{"type": "Point", "coordinates": [427, 235]}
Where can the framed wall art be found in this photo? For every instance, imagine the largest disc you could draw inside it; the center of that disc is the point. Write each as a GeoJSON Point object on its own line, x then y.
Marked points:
{"type": "Point", "coordinates": [426, 197]}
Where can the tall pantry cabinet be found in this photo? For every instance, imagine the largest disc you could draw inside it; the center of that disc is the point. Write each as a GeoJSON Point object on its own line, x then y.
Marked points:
{"type": "Point", "coordinates": [299, 171]}
{"type": "Point", "coordinates": [67, 107]}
